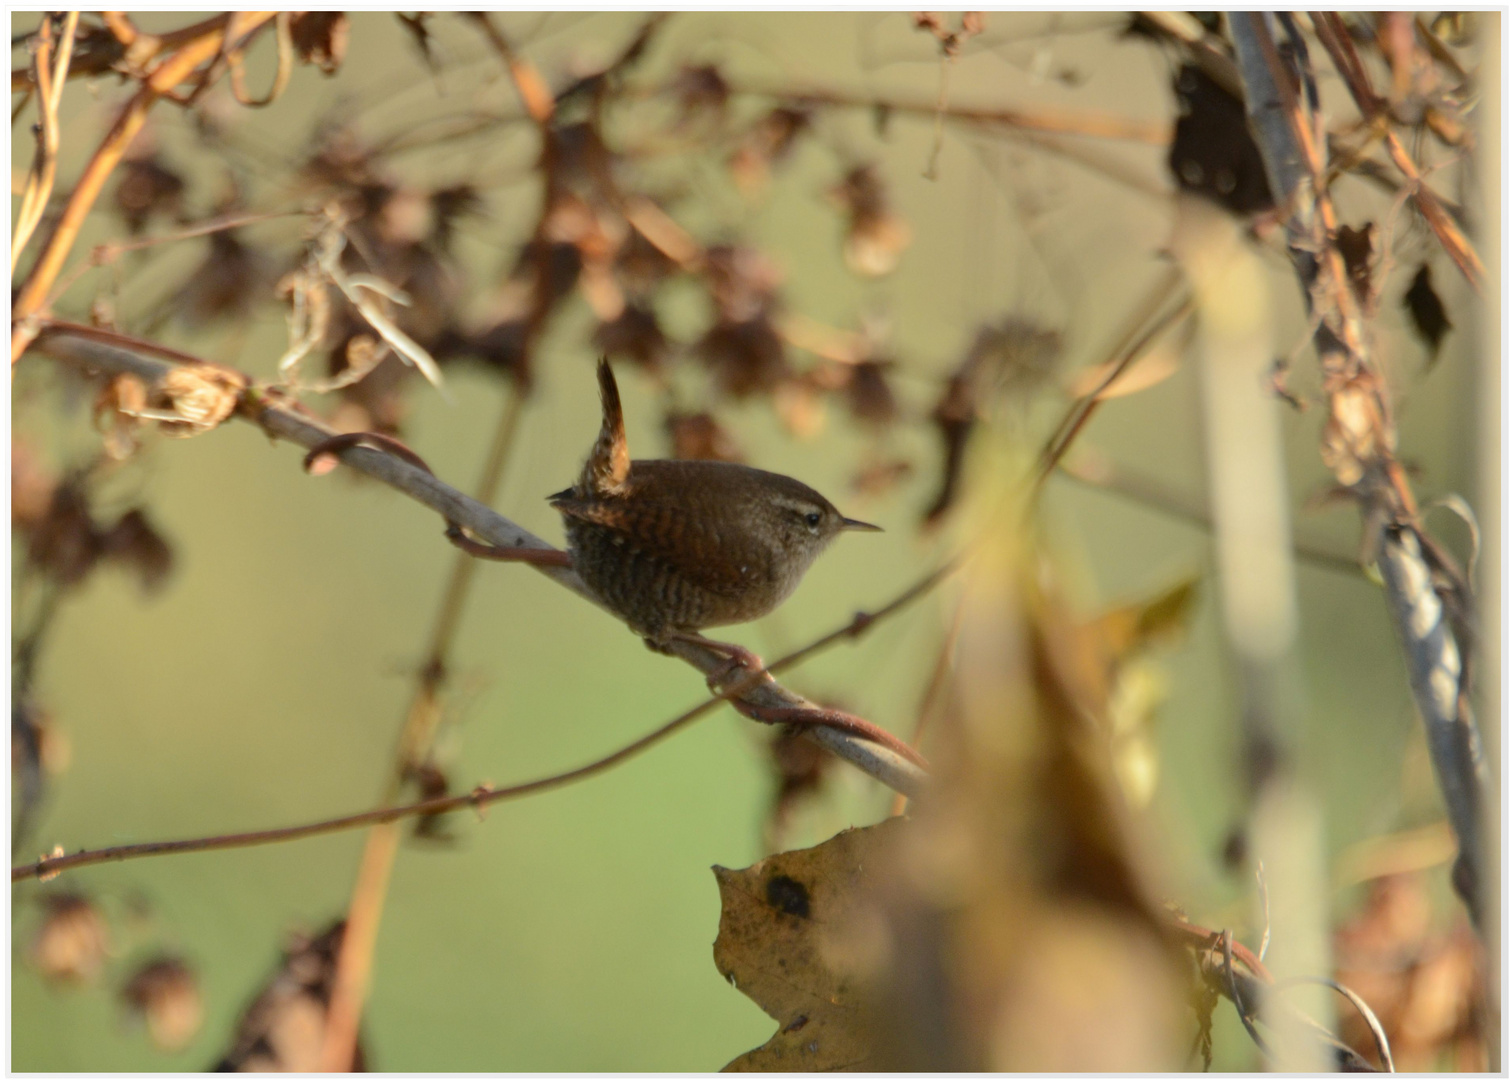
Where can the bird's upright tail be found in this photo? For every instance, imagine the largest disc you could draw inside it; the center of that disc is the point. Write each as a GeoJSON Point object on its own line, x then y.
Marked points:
{"type": "Point", "coordinates": [607, 469]}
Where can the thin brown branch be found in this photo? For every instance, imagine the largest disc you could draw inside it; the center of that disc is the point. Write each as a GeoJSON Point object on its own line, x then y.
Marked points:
{"type": "Point", "coordinates": [1132, 346]}
{"type": "Point", "coordinates": [1148, 492]}
{"type": "Point", "coordinates": [539, 102]}
{"type": "Point", "coordinates": [479, 797]}
{"type": "Point", "coordinates": [1044, 119]}
{"type": "Point", "coordinates": [115, 353]}
{"type": "Point", "coordinates": [283, 27]}
{"type": "Point", "coordinates": [1338, 43]}
{"type": "Point", "coordinates": [1457, 246]}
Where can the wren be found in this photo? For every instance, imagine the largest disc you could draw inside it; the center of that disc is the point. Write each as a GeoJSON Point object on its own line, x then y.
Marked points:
{"type": "Point", "coordinates": [675, 547]}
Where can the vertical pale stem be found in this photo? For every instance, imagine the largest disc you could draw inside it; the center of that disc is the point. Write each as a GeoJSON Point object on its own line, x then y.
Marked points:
{"type": "Point", "coordinates": [1489, 502]}
{"type": "Point", "coordinates": [1249, 500]}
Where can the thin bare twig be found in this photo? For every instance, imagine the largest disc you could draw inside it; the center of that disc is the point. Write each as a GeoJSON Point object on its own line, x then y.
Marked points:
{"type": "Point", "coordinates": [1126, 353]}
{"type": "Point", "coordinates": [477, 798]}
{"type": "Point", "coordinates": [1380, 1037]}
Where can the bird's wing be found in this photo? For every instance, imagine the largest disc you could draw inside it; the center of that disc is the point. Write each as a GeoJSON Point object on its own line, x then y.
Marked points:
{"type": "Point", "coordinates": [674, 533]}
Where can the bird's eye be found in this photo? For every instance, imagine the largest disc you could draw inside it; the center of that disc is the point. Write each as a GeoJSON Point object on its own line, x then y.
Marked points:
{"type": "Point", "coordinates": [813, 520]}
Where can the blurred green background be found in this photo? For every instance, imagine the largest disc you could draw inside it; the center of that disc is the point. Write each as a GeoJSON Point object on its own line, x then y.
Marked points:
{"type": "Point", "coordinates": [573, 931]}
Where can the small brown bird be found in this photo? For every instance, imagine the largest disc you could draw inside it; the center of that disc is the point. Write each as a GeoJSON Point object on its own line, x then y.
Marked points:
{"type": "Point", "coordinates": [674, 547]}
{"type": "Point", "coordinates": [678, 546]}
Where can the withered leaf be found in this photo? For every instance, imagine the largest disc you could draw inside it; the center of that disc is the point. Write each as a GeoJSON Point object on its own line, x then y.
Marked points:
{"type": "Point", "coordinates": [699, 437]}
{"type": "Point", "coordinates": [147, 187]}
{"type": "Point", "coordinates": [781, 942]}
{"type": "Point", "coordinates": [1356, 247]}
{"type": "Point", "coordinates": [1213, 152]}
{"type": "Point", "coordinates": [1135, 626]}
{"type": "Point", "coordinates": [1153, 367]}
{"type": "Point", "coordinates": [870, 396]}
{"type": "Point", "coordinates": [320, 38]}
{"type": "Point", "coordinates": [135, 542]}
{"type": "Point", "coordinates": [635, 335]}
{"type": "Point", "coordinates": [1427, 313]}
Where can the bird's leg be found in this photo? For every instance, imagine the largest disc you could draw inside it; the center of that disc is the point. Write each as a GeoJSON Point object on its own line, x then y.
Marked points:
{"type": "Point", "coordinates": [818, 716]}
{"type": "Point", "coordinates": [740, 658]}
{"type": "Point", "coordinates": [534, 556]}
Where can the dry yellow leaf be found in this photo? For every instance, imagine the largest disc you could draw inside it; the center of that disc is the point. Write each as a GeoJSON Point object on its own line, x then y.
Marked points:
{"type": "Point", "coordinates": [776, 943]}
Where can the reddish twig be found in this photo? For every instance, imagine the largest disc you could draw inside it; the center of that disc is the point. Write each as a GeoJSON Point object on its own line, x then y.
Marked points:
{"type": "Point", "coordinates": [478, 797]}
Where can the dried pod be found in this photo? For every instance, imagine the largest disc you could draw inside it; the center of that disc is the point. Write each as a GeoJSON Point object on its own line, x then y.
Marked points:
{"type": "Point", "coordinates": [449, 205]}
{"type": "Point", "coordinates": [228, 284]}
{"type": "Point", "coordinates": [135, 542]}
{"type": "Point", "coordinates": [31, 487]}
{"type": "Point", "coordinates": [875, 237]}
{"type": "Point", "coordinates": [501, 348]}
{"type": "Point", "coordinates": [1356, 247]}
{"type": "Point", "coordinates": [72, 942]}
{"type": "Point", "coordinates": [701, 95]}
{"type": "Point", "coordinates": [635, 335]}
{"type": "Point", "coordinates": [201, 395]}
{"type": "Point", "coordinates": [741, 281]}
{"type": "Point", "coordinates": [954, 416]}
{"type": "Point", "coordinates": [283, 1029]}
{"type": "Point", "coordinates": [146, 188]}
{"type": "Point", "coordinates": [165, 993]}
{"type": "Point", "coordinates": [640, 265]}
{"type": "Point", "coordinates": [880, 477]}
{"type": "Point", "coordinates": [319, 37]}
{"type": "Point", "coordinates": [431, 782]}
{"type": "Point", "coordinates": [766, 144]}
{"type": "Point", "coordinates": [746, 357]}
{"type": "Point", "coordinates": [699, 437]}
{"type": "Point", "coordinates": [869, 394]}
{"type": "Point", "coordinates": [65, 544]}
{"type": "Point", "coordinates": [1425, 984]}
{"type": "Point", "coordinates": [800, 766]}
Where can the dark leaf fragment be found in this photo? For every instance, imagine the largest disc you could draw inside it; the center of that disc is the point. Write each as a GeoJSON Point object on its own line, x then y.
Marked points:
{"type": "Point", "coordinates": [319, 37]}
{"type": "Point", "coordinates": [1213, 153]}
{"type": "Point", "coordinates": [1427, 313]}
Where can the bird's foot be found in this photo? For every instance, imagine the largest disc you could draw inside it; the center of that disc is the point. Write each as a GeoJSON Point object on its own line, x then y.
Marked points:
{"type": "Point", "coordinates": [740, 670]}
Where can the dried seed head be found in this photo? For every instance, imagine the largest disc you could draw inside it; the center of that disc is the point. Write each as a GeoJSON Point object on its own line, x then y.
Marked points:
{"type": "Point", "coordinates": [165, 993]}
{"type": "Point", "coordinates": [699, 437]}
{"type": "Point", "coordinates": [72, 942]}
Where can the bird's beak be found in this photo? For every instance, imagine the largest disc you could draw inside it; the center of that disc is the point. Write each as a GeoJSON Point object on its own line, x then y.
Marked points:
{"type": "Point", "coordinates": [861, 526]}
